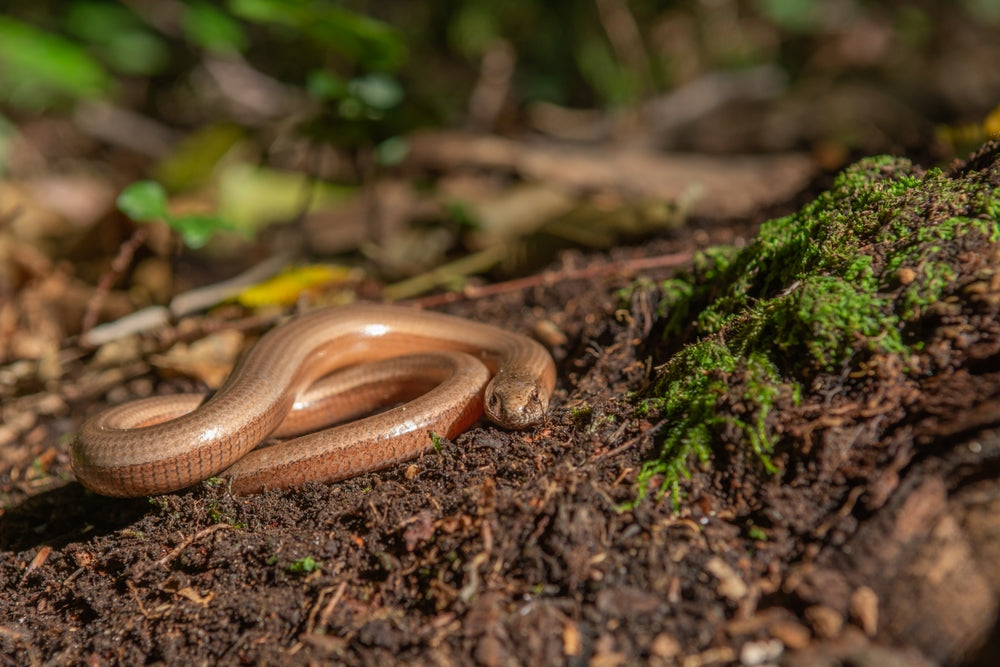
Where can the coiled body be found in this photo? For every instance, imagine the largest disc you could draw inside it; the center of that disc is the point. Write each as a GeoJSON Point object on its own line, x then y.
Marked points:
{"type": "Point", "coordinates": [156, 446]}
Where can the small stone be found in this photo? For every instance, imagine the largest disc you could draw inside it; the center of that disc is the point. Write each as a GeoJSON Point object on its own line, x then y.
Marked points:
{"type": "Point", "coordinates": [826, 622]}
{"type": "Point", "coordinates": [731, 586]}
{"type": "Point", "coordinates": [864, 609]}
{"type": "Point", "coordinates": [571, 639]}
{"type": "Point", "coordinates": [792, 634]}
{"type": "Point", "coordinates": [760, 652]}
{"type": "Point", "coordinates": [665, 646]}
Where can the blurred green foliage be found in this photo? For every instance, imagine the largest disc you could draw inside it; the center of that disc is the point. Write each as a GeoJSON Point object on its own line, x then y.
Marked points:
{"type": "Point", "coordinates": [56, 55]}
{"type": "Point", "coordinates": [40, 68]}
{"type": "Point", "coordinates": [116, 36]}
{"type": "Point", "coordinates": [793, 15]}
{"type": "Point", "coordinates": [357, 57]}
{"type": "Point", "coordinates": [366, 42]}
{"type": "Point", "coordinates": [146, 201]}
{"type": "Point", "coordinates": [377, 70]}
{"type": "Point", "coordinates": [214, 30]}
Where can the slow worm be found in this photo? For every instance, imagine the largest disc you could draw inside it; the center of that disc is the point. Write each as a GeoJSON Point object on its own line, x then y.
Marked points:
{"type": "Point", "coordinates": [160, 445]}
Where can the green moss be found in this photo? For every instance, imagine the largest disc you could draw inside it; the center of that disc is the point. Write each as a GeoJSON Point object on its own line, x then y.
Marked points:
{"type": "Point", "coordinates": [816, 292]}
{"type": "Point", "coordinates": [926, 289]}
{"type": "Point", "coordinates": [763, 388]}
{"type": "Point", "coordinates": [687, 389]}
{"type": "Point", "coordinates": [708, 267]}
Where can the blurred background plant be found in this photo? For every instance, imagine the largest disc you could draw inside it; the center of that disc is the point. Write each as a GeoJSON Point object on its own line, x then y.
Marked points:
{"type": "Point", "coordinates": [373, 72]}
{"type": "Point", "coordinates": [252, 113]}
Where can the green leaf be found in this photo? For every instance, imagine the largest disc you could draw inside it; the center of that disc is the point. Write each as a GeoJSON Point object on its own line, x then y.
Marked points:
{"type": "Point", "coordinates": [137, 52]}
{"type": "Point", "coordinates": [197, 230]}
{"type": "Point", "coordinates": [118, 37]}
{"type": "Point", "coordinates": [94, 21]}
{"type": "Point", "coordinates": [392, 151]}
{"type": "Point", "coordinates": [212, 29]}
{"type": "Point", "coordinates": [143, 201]}
{"type": "Point", "coordinates": [303, 565]}
{"type": "Point", "coordinates": [366, 41]}
{"type": "Point", "coordinates": [38, 68]}
{"type": "Point", "coordinates": [379, 91]}
{"type": "Point", "coordinates": [324, 85]}
{"type": "Point", "coordinates": [794, 15]}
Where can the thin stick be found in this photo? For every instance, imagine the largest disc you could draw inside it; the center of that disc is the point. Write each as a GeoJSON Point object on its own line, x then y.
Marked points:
{"type": "Point", "coordinates": [118, 265]}
{"type": "Point", "coordinates": [629, 267]}
{"type": "Point", "coordinates": [648, 433]}
{"type": "Point", "coordinates": [186, 542]}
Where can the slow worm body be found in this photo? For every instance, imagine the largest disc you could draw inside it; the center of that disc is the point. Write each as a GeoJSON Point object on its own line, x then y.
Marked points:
{"type": "Point", "coordinates": [159, 445]}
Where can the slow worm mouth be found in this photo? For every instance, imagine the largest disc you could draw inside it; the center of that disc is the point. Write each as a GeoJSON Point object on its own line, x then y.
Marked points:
{"type": "Point", "coordinates": [167, 443]}
{"type": "Point", "coordinates": [518, 403]}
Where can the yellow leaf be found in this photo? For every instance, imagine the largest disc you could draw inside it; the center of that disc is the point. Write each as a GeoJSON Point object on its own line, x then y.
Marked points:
{"type": "Point", "coordinates": [286, 287]}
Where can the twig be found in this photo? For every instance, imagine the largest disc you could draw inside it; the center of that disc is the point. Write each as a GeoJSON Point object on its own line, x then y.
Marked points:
{"type": "Point", "coordinates": [627, 268]}
{"type": "Point", "coordinates": [135, 594]}
{"type": "Point", "coordinates": [185, 543]}
{"type": "Point", "coordinates": [201, 298]}
{"type": "Point", "coordinates": [444, 274]}
{"type": "Point", "coordinates": [186, 303]}
{"type": "Point", "coordinates": [629, 443]}
{"type": "Point", "coordinates": [71, 578]}
{"type": "Point", "coordinates": [118, 265]}
{"type": "Point", "coordinates": [136, 322]}
{"type": "Point", "coordinates": [226, 658]}
{"type": "Point", "coordinates": [37, 561]}
{"type": "Point", "coordinates": [324, 616]}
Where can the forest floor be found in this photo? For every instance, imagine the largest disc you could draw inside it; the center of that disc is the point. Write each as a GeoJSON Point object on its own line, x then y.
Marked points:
{"type": "Point", "coordinates": [873, 539]}
{"type": "Point", "coordinates": [775, 433]}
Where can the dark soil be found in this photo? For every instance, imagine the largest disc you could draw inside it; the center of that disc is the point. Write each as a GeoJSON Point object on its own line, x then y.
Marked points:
{"type": "Point", "coordinates": [880, 546]}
